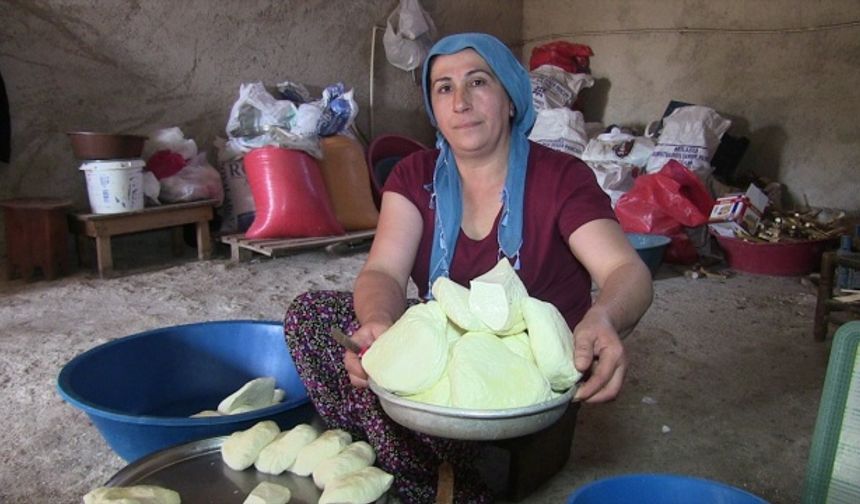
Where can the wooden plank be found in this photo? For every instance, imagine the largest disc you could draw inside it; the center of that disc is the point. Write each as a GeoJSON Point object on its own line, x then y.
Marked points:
{"type": "Point", "coordinates": [279, 247]}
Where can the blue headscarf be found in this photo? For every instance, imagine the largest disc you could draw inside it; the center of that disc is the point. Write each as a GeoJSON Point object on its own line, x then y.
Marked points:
{"type": "Point", "coordinates": [446, 195]}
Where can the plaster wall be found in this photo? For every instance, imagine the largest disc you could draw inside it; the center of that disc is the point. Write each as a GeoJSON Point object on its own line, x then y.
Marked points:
{"type": "Point", "coordinates": [133, 67]}
{"type": "Point", "coordinates": [785, 71]}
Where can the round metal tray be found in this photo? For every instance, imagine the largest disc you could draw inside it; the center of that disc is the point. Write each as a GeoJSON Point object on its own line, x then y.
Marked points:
{"type": "Point", "coordinates": [196, 471]}
{"type": "Point", "coordinates": [470, 424]}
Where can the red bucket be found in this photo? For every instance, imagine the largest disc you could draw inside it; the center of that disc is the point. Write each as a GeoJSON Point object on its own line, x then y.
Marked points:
{"type": "Point", "coordinates": [776, 259]}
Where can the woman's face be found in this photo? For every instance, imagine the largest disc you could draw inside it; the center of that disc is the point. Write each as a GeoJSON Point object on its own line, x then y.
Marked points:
{"type": "Point", "coordinates": [471, 107]}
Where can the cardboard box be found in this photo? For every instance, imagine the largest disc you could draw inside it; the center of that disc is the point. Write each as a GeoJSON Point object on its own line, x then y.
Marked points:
{"type": "Point", "coordinates": [738, 214]}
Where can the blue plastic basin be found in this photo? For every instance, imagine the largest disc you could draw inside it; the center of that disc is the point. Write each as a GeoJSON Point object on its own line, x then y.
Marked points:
{"type": "Point", "coordinates": [660, 489]}
{"type": "Point", "coordinates": [650, 248]}
{"type": "Point", "coordinates": [140, 390]}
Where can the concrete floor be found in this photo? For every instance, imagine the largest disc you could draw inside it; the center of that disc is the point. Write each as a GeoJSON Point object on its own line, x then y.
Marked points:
{"type": "Point", "coordinates": [724, 383]}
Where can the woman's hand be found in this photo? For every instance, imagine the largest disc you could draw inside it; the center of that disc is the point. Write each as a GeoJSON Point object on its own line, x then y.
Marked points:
{"type": "Point", "coordinates": [598, 348]}
{"type": "Point", "coordinates": [364, 336]}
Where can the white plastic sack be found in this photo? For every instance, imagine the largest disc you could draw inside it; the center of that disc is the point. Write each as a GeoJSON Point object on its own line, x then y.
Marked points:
{"type": "Point", "coordinates": [553, 87]}
{"type": "Point", "coordinates": [616, 158]}
{"type": "Point", "coordinates": [238, 211]}
{"type": "Point", "coordinates": [561, 129]}
{"type": "Point", "coordinates": [408, 35]}
{"type": "Point", "coordinates": [198, 180]}
{"type": "Point", "coordinates": [690, 135]}
{"type": "Point", "coordinates": [618, 147]}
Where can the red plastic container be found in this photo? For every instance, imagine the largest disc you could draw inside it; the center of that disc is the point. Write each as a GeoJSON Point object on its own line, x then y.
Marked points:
{"type": "Point", "coordinates": [775, 259]}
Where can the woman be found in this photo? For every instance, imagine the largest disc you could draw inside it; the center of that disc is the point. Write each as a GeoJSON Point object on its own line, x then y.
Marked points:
{"type": "Point", "coordinates": [486, 193]}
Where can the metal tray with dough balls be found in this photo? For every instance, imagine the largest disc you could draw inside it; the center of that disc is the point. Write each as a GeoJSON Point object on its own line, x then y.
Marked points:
{"type": "Point", "coordinates": [197, 472]}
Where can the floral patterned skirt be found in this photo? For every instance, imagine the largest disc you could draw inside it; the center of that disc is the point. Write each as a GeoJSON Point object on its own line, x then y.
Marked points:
{"type": "Point", "coordinates": [413, 458]}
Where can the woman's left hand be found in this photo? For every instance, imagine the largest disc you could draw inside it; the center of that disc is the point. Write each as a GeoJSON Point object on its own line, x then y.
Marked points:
{"type": "Point", "coordinates": [598, 348]}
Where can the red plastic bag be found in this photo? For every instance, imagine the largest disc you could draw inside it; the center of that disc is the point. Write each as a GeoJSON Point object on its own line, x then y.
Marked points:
{"type": "Point", "coordinates": [289, 194]}
{"type": "Point", "coordinates": [665, 203]}
{"type": "Point", "coordinates": [573, 58]}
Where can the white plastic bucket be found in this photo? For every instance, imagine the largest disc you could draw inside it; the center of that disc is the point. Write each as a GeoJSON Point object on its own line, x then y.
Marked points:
{"type": "Point", "coordinates": [114, 186]}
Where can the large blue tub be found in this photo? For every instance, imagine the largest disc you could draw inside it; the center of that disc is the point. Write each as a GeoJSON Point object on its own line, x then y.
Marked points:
{"type": "Point", "coordinates": [140, 390]}
{"type": "Point", "coordinates": [660, 489]}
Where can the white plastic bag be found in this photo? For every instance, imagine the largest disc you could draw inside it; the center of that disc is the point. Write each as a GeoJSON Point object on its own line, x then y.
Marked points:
{"type": "Point", "coordinates": [198, 180]}
{"type": "Point", "coordinates": [171, 139]}
{"type": "Point", "coordinates": [617, 158]}
{"type": "Point", "coordinates": [258, 119]}
{"type": "Point", "coordinates": [618, 147]}
{"type": "Point", "coordinates": [408, 35]}
{"type": "Point", "coordinates": [238, 211]}
{"type": "Point", "coordinates": [690, 135]}
{"type": "Point", "coordinates": [561, 129]}
{"type": "Point", "coordinates": [553, 87]}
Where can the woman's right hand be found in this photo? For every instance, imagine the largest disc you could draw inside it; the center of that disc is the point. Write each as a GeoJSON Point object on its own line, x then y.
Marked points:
{"type": "Point", "coordinates": [364, 336]}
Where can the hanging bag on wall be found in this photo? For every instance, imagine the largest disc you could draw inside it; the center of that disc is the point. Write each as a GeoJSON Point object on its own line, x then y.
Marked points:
{"type": "Point", "coordinates": [408, 35]}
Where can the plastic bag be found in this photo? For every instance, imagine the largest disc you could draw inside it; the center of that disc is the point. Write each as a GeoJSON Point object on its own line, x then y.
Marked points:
{"type": "Point", "coordinates": [553, 87]}
{"type": "Point", "coordinates": [339, 110]}
{"type": "Point", "coordinates": [408, 35]}
{"type": "Point", "coordinates": [237, 211]}
{"type": "Point", "coordinates": [665, 203]}
{"type": "Point", "coordinates": [198, 180]}
{"type": "Point", "coordinates": [689, 135]}
{"type": "Point", "coordinates": [171, 139]}
{"type": "Point", "coordinates": [574, 58]}
{"type": "Point", "coordinates": [258, 119]}
{"type": "Point", "coordinates": [560, 129]}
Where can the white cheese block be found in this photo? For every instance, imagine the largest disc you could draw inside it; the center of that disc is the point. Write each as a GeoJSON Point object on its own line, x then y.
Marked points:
{"type": "Point", "coordinates": [520, 345]}
{"type": "Point", "coordinates": [412, 354]}
{"type": "Point", "coordinates": [329, 444]}
{"type": "Point", "coordinates": [138, 494]}
{"type": "Point", "coordinates": [439, 394]}
{"type": "Point", "coordinates": [484, 374]}
{"type": "Point", "coordinates": [257, 393]}
{"type": "Point", "coordinates": [360, 487]}
{"type": "Point", "coordinates": [495, 296]}
{"type": "Point", "coordinates": [278, 395]}
{"type": "Point", "coordinates": [354, 457]}
{"type": "Point", "coordinates": [206, 413]}
{"type": "Point", "coordinates": [280, 454]}
{"type": "Point", "coordinates": [454, 300]}
{"type": "Point", "coordinates": [241, 448]}
{"type": "Point", "coordinates": [268, 493]}
{"type": "Point", "coordinates": [551, 342]}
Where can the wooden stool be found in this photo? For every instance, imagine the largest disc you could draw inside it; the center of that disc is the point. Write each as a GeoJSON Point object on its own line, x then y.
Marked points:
{"type": "Point", "coordinates": [36, 236]}
{"type": "Point", "coordinates": [825, 303]}
{"type": "Point", "coordinates": [103, 226]}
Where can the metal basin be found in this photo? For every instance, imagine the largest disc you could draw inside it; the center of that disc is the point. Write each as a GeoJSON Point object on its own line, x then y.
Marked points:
{"type": "Point", "coordinates": [470, 424]}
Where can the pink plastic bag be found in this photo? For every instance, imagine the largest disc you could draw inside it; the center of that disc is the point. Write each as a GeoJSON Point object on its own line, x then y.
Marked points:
{"type": "Point", "coordinates": [665, 203]}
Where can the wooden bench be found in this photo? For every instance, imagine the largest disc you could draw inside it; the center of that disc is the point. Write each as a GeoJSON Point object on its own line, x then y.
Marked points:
{"type": "Point", "coordinates": [102, 227]}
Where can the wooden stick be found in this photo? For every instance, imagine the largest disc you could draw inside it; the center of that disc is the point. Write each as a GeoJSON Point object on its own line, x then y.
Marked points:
{"type": "Point", "coordinates": [445, 486]}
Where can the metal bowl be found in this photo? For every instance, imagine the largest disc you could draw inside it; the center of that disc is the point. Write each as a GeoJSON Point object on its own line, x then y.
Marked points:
{"type": "Point", "coordinates": [471, 424]}
{"type": "Point", "coordinates": [92, 145]}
